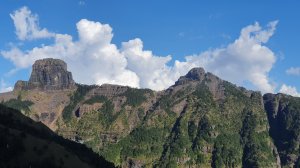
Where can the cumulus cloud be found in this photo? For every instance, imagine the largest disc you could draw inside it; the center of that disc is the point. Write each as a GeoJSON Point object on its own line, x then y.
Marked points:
{"type": "Point", "coordinates": [27, 25]}
{"type": "Point", "coordinates": [4, 87]}
{"type": "Point", "coordinates": [151, 69]}
{"type": "Point", "coordinates": [246, 59]}
{"type": "Point", "coordinates": [291, 90]}
{"type": "Point", "coordinates": [293, 71]}
{"type": "Point", "coordinates": [94, 59]}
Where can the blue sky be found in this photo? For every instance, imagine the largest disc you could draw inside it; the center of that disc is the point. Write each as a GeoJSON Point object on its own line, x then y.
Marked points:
{"type": "Point", "coordinates": [160, 33]}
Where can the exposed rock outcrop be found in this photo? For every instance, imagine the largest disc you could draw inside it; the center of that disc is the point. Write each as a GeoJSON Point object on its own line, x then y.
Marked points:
{"type": "Point", "coordinates": [195, 74]}
{"type": "Point", "coordinates": [213, 82]}
{"type": "Point", "coordinates": [198, 75]}
{"type": "Point", "coordinates": [48, 74]}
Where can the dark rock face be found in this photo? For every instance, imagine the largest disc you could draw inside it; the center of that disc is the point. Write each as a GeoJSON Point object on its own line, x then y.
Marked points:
{"type": "Point", "coordinates": [48, 74]}
{"type": "Point", "coordinates": [283, 113]}
{"type": "Point", "coordinates": [197, 74]}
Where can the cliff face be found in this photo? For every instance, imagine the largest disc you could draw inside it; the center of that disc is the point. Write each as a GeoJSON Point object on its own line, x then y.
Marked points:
{"type": "Point", "coordinates": [48, 74]}
{"type": "Point", "coordinates": [284, 118]}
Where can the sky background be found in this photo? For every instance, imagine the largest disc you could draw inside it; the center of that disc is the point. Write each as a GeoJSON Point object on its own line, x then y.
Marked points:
{"type": "Point", "coordinates": [150, 44]}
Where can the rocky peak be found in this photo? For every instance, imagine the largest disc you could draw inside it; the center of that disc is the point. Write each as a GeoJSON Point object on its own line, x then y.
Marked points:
{"type": "Point", "coordinates": [48, 74]}
{"type": "Point", "coordinates": [195, 74]}
{"type": "Point", "coordinates": [216, 85]}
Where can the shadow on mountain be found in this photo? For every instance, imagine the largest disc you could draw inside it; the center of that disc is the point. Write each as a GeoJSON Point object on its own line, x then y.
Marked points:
{"type": "Point", "coordinates": [26, 143]}
{"type": "Point", "coordinates": [284, 118]}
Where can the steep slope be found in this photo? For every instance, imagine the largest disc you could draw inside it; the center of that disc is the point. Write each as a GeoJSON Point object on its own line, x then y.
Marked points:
{"type": "Point", "coordinates": [284, 117]}
{"type": "Point", "coordinates": [25, 143]}
{"type": "Point", "coordinates": [201, 121]}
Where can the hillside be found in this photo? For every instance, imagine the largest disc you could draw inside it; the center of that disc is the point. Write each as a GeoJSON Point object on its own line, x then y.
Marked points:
{"type": "Point", "coordinates": [25, 143]}
{"type": "Point", "coordinates": [200, 121]}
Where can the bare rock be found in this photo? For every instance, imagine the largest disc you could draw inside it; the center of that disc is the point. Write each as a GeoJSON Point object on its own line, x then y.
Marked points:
{"type": "Point", "coordinates": [195, 74]}
{"type": "Point", "coordinates": [48, 74]}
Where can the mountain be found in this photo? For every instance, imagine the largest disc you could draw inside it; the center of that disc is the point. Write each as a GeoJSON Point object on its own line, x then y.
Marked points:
{"type": "Point", "coordinates": [25, 143]}
{"type": "Point", "coordinates": [200, 121]}
{"type": "Point", "coordinates": [48, 74]}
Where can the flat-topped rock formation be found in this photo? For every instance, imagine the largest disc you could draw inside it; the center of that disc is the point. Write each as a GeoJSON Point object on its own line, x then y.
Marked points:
{"type": "Point", "coordinates": [48, 74]}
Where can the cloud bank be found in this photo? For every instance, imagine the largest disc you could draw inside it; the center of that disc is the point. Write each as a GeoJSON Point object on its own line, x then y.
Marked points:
{"type": "Point", "coordinates": [94, 59]}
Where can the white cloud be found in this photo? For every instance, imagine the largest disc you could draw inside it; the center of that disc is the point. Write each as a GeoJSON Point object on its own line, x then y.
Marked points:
{"type": "Point", "coordinates": [94, 59]}
{"type": "Point", "coordinates": [152, 70]}
{"type": "Point", "coordinates": [291, 90]}
{"type": "Point", "coordinates": [246, 59]}
{"type": "Point", "coordinates": [293, 71]}
{"type": "Point", "coordinates": [27, 25]}
{"type": "Point", "coordinates": [4, 87]}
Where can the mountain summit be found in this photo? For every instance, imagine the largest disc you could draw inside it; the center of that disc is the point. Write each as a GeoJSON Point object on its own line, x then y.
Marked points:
{"type": "Point", "coordinates": [48, 74]}
{"type": "Point", "coordinates": [193, 74]}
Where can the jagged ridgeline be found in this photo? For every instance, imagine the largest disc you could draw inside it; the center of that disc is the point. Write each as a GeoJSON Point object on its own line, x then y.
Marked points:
{"type": "Point", "coordinates": [200, 121]}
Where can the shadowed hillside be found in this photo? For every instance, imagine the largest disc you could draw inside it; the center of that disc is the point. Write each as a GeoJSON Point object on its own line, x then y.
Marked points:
{"type": "Point", "coordinates": [25, 143]}
{"type": "Point", "coordinates": [284, 117]}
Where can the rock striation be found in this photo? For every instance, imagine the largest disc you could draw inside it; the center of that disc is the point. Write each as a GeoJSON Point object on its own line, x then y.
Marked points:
{"type": "Point", "coordinates": [48, 74]}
